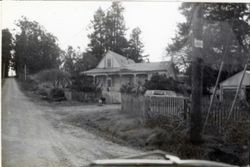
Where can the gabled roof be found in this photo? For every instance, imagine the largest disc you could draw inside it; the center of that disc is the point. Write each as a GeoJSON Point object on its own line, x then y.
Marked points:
{"type": "Point", "coordinates": [235, 79]}
{"type": "Point", "coordinates": [128, 65]}
{"type": "Point", "coordinates": [136, 67]}
{"type": "Point", "coordinates": [103, 70]}
{"type": "Point", "coordinates": [120, 59]}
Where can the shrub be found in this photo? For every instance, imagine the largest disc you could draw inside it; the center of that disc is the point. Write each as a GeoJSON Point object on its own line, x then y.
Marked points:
{"type": "Point", "coordinates": [56, 77]}
{"type": "Point", "coordinates": [57, 94]}
{"type": "Point", "coordinates": [42, 92]}
{"type": "Point", "coordinates": [162, 82]}
{"type": "Point", "coordinates": [130, 88]}
{"type": "Point", "coordinates": [84, 83]}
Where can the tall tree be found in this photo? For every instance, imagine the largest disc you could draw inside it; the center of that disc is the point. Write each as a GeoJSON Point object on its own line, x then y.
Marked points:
{"type": "Point", "coordinates": [85, 62]}
{"type": "Point", "coordinates": [35, 48]}
{"type": "Point", "coordinates": [7, 46]}
{"type": "Point", "coordinates": [115, 29]}
{"type": "Point", "coordinates": [135, 49]}
{"type": "Point", "coordinates": [97, 37]}
{"type": "Point", "coordinates": [226, 33]}
{"type": "Point", "coordinates": [108, 32]}
{"type": "Point", "coordinates": [69, 61]}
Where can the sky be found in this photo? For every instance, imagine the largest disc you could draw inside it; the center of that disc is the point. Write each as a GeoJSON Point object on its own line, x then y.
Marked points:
{"type": "Point", "coordinates": [70, 21]}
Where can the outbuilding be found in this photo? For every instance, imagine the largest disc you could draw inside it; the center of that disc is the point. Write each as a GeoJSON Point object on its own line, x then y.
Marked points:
{"type": "Point", "coordinates": [229, 86]}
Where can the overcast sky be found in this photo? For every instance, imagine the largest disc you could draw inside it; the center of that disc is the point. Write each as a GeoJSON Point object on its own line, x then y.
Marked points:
{"type": "Point", "coordinates": [69, 21]}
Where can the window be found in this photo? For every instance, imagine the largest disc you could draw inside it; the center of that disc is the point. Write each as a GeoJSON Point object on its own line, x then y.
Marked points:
{"type": "Point", "coordinates": [108, 62]}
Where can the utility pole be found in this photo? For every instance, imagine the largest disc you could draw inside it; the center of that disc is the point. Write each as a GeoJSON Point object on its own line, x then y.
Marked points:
{"type": "Point", "coordinates": [3, 72]}
{"type": "Point", "coordinates": [197, 74]}
{"type": "Point", "coordinates": [25, 72]}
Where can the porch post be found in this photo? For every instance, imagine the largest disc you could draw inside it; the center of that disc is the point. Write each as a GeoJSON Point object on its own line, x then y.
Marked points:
{"type": "Point", "coordinates": [149, 76]}
{"type": "Point", "coordinates": [120, 80]}
{"type": "Point", "coordinates": [135, 79]}
{"type": "Point", "coordinates": [94, 79]}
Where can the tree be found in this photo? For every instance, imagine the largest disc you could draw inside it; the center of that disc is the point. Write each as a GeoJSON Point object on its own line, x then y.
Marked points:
{"type": "Point", "coordinates": [135, 49]}
{"type": "Point", "coordinates": [209, 78]}
{"type": "Point", "coordinates": [97, 37]}
{"type": "Point", "coordinates": [56, 77]}
{"type": "Point", "coordinates": [85, 62]}
{"type": "Point", "coordinates": [226, 35]}
{"type": "Point", "coordinates": [108, 32]}
{"type": "Point", "coordinates": [115, 29]}
{"type": "Point", "coordinates": [7, 46]}
{"type": "Point", "coordinates": [35, 48]}
{"type": "Point", "coordinates": [69, 61]}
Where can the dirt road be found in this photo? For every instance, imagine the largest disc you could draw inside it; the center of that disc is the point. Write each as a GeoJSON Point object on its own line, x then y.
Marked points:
{"type": "Point", "coordinates": [30, 139]}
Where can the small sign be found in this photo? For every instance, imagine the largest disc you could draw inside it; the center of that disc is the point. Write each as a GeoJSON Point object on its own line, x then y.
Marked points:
{"type": "Point", "coordinates": [198, 43]}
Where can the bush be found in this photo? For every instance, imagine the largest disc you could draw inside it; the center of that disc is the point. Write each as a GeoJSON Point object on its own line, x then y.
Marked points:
{"type": "Point", "coordinates": [84, 84]}
{"type": "Point", "coordinates": [56, 77]}
{"type": "Point", "coordinates": [133, 89]}
{"type": "Point", "coordinates": [29, 84]}
{"type": "Point", "coordinates": [42, 92]}
{"type": "Point", "coordinates": [57, 94]}
{"type": "Point", "coordinates": [162, 82]}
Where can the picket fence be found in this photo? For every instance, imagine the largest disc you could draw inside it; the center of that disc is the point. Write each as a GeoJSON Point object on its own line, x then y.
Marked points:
{"type": "Point", "coordinates": [154, 108]}
{"type": "Point", "coordinates": [160, 109]}
{"type": "Point", "coordinates": [219, 113]}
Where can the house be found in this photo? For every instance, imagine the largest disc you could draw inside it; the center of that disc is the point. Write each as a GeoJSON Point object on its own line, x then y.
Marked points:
{"type": "Point", "coordinates": [114, 70]}
{"type": "Point", "coordinates": [229, 86]}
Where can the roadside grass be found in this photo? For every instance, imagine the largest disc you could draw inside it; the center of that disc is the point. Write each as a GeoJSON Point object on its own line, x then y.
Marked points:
{"type": "Point", "coordinates": [125, 129]}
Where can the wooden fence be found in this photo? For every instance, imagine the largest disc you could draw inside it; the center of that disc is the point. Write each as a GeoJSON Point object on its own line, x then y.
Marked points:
{"type": "Point", "coordinates": [112, 97]}
{"type": "Point", "coordinates": [160, 109]}
{"type": "Point", "coordinates": [219, 114]}
{"type": "Point", "coordinates": [154, 108]}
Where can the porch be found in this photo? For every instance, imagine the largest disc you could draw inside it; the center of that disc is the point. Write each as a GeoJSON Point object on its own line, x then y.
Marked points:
{"type": "Point", "coordinates": [113, 82]}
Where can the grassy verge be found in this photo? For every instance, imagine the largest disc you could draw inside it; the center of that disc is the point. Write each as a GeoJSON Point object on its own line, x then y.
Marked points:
{"type": "Point", "coordinates": [125, 129]}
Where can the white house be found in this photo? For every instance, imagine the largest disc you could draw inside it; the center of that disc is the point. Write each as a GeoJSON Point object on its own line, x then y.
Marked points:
{"type": "Point", "coordinates": [114, 70]}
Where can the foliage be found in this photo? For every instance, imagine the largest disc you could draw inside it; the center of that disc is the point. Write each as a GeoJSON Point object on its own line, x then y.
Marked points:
{"type": "Point", "coordinates": [57, 94]}
{"type": "Point", "coordinates": [7, 46]}
{"type": "Point", "coordinates": [109, 32]}
{"type": "Point", "coordinates": [226, 33]}
{"type": "Point", "coordinates": [56, 77]}
{"type": "Point", "coordinates": [69, 61]}
{"type": "Point", "coordinates": [75, 62]}
{"type": "Point", "coordinates": [97, 37]}
{"type": "Point", "coordinates": [115, 29]}
{"type": "Point", "coordinates": [130, 88]}
{"type": "Point", "coordinates": [135, 49]}
{"type": "Point", "coordinates": [84, 83]}
{"type": "Point", "coordinates": [209, 78]}
{"type": "Point", "coordinates": [85, 62]}
{"type": "Point", "coordinates": [35, 48]}
{"type": "Point", "coordinates": [162, 82]}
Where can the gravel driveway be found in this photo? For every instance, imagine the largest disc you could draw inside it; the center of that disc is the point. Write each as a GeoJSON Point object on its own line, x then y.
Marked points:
{"type": "Point", "coordinates": [30, 138]}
